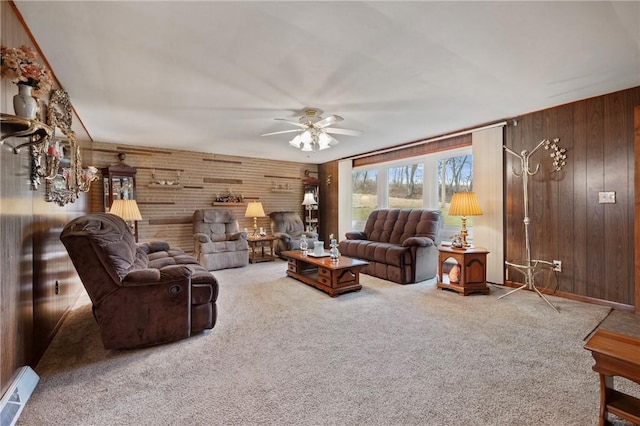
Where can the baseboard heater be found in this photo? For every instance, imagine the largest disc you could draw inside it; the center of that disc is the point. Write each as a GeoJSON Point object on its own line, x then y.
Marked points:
{"type": "Point", "coordinates": [17, 396]}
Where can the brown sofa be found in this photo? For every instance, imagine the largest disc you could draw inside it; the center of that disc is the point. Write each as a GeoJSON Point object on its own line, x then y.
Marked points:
{"type": "Point", "coordinates": [143, 294]}
{"type": "Point", "coordinates": [400, 245]}
{"type": "Point", "coordinates": [218, 242]}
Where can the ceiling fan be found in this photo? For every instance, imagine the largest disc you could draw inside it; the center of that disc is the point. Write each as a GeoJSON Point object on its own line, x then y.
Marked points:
{"type": "Point", "coordinates": [314, 131]}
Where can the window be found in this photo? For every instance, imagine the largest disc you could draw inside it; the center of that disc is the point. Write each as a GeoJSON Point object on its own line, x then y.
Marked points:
{"type": "Point", "coordinates": [422, 182]}
{"type": "Point", "coordinates": [455, 174]}
{"type": "Point", "coordinates": [405, 186]}
{"type": "Point", "coordinates": [364, 189]}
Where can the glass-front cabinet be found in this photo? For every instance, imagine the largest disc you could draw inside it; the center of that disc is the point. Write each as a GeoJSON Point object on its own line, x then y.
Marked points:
{"type": "Point", "coordinates": [119, 183]}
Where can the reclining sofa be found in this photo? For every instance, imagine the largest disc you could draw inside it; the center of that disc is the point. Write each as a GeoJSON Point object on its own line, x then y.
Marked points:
{"type": "Point", "coordinates": [400, 245]}
{"type": "Point", "coordinates": [144, 294]}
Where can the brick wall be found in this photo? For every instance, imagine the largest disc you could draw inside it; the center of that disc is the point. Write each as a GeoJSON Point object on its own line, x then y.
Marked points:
{"type": "Point", "coordinates": [167, 211]}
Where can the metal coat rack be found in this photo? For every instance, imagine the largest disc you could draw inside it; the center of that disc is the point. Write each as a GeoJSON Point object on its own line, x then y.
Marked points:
{"type": "Point", "coordinates": [531, 266]}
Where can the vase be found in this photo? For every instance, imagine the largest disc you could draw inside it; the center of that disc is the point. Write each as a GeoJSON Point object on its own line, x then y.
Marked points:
{"type": "Point", "coordinates": [25, 105]}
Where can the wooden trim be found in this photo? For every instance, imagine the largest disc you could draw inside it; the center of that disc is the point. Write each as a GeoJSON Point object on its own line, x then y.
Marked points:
{"type": "Point", "coordinates": [576, 297]}
{"type": "Point", "coordinates": [636, 216]}
{"type": "Point", "coordinates": [215, 160]}
{"type": "Point", "coordinates": [171, 221]}
{"type": "Point", "coordinates": [414, 151]}
{"type": "Point", "coordinates": [221, 180]}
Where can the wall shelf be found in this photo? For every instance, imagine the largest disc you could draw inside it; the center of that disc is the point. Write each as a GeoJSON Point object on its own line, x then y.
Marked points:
{"type": "Point", "coordinates": [19, 127]}
{"type": "Point", "coordinates": [218, 203]}
{"type": "Point", "coordinates": [165, 186]}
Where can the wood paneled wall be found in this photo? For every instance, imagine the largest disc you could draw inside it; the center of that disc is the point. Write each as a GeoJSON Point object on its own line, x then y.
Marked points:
{"type": "Point", "coordinates": [32, 258]}
{"type": "Point", "coordinates": [594, 241]}
{"type": "Point", "coordinates": [167, 212]}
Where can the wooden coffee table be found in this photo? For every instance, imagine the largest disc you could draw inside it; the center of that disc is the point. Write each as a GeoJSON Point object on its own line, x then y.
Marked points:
{"type": "Point", "coordinates": [332, 277]}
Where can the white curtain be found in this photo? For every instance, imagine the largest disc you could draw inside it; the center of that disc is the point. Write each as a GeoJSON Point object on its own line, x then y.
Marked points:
{"type": "Point", "coordinates": [345, 201]}
{"type": "Point", "coordinates": [488, 186]}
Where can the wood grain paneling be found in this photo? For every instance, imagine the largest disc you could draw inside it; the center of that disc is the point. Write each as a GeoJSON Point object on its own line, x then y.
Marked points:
{"type": "Point", "coordinates": [593, 240]}
{"type": "Point", "coordinates": [33, 258]}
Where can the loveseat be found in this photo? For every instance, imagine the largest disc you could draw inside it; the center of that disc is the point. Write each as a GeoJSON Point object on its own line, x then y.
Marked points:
{"type": "Point", "coordinates": [142, 294]}
{"type": "Point", "coordinates": [218, 242]}
{"type": "Point", "coordinates": [400, 245]}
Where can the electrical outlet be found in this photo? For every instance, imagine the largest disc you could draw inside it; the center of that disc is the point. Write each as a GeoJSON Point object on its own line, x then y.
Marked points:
{"type": "Point", "coordinates": [557, 265]}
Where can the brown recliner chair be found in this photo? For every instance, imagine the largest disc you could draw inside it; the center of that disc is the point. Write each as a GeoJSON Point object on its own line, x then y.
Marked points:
{"type": "Point", "coordinates": [144, 294]}
{"type": "Point", "coordinates": [218, 242]}
{"type": "Point", "coordinates": [287, 227]}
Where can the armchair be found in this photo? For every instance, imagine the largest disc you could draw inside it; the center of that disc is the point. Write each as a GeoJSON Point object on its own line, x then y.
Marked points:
{"type": "Point", "coordinates": [218, 242]}
{"type": "Point", "coordinates": [288, 227]}
{"type": "Point", "coordinates": [144, 294]}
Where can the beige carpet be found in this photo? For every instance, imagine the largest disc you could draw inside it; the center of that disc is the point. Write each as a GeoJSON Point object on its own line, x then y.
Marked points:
{"type": "Point", "coordinates": [284, 353]}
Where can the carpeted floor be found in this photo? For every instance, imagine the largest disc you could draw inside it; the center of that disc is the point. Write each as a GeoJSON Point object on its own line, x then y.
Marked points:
{"type": "Point", "coordinates": [284, 353]}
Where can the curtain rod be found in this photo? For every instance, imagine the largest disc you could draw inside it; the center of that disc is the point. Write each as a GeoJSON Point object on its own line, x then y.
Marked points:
{"type": "Point", "coordinates": [424, 141]}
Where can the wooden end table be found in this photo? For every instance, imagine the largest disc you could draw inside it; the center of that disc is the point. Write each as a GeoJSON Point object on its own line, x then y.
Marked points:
{"type": "Point", "coordinates": [261, 248]}
{"type": "Point", "coordinates": [473, 269]}
{"type": "Point", "coordinates": [332, 277]}
{"type": "Point", "coordinates": [616, 354]}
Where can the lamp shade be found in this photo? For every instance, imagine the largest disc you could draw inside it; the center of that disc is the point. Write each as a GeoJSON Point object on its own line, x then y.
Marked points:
{"type": "Point", "coordinates": [254, 209]}
{"type": "Point", "coordinates": [308, 199]}
{"type": "Point", "coordinates": [126, 209]}
{"type": "Point", "coordinates": [464, 204]}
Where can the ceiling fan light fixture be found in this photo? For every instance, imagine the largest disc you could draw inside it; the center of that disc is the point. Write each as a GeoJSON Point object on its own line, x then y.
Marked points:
{"type": "Point", "coordinates": [314, 131]}
{"type": "Point", "coordinates": [296, 142]}
{"type": "Point", "coordinates": [324, 141]}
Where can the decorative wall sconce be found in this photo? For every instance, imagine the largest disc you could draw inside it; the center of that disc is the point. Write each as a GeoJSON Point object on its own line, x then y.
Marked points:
{"type": "Point", "coordinates": [64, 184]}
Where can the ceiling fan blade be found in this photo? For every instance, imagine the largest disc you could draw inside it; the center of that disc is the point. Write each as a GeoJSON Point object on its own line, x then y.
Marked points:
{"type": "Point", "coordinates": [295, 123]}
{"type": "Point", "coordinates": [280, 132]}
{"type": "Point", "coordinates": [347, 132]}
{"type": "Point", "coordinates": [327, 121]}
{"type": "Point", "coordinates": [333, 141]}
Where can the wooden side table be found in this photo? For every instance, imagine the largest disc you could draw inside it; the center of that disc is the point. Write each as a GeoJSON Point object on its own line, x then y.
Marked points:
{"type": "Point", "coordinates": [473, 270]}
{"type": "Point", "coordinates": [616, 355]}
{"type": "Point", "coordinates": [261, 249]}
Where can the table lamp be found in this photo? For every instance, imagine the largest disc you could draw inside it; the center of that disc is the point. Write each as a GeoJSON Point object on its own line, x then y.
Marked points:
{"type": "Point", "coordinates": [464, 204]}
{"type": "Point", "coordinates": [127, 210]}
{"type": "Point", "coordinates": [254, 210]}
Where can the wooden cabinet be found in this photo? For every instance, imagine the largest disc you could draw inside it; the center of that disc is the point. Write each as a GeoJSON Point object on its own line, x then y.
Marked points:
{"type": "Point", "coordinates": [472, 274]}
{"type": "Point", "coordinates": [311, 216]}
{"type": "Point", "coordinates": [119, 183]}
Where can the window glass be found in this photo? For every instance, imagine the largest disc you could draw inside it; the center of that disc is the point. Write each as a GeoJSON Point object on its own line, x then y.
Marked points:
{"type": "Point", "coordinates": [405, 186]}
{"type": "Point", "coordinates": [455, 174]}
{"type": "Point", "coordinates": [364, 186]}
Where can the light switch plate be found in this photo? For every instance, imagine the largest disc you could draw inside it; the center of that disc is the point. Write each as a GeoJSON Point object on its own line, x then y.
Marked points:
{"type": "Point", "coordinates": [608, 197]}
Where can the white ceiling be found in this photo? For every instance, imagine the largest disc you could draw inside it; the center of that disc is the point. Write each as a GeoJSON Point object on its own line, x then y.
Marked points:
{"type": "Point", "coordinates": [211, 76]}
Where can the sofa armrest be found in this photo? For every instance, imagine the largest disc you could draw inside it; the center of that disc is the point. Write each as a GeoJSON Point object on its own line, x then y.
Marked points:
{"type": "Point", "coordinates": [199, 237]}
{"type": "Point", "coordinates": [356, 235]}
{"type": "Point", "coordinates": [153, 276]}
{"type": "Point", "coordinates": [237, 236]}
{"type": "Point", "coordinates": [418, 241]}
{"type": "Point", "coordinates": [283, 236]}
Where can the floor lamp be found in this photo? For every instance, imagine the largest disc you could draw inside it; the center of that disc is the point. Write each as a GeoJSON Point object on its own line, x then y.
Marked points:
{"type": "Point", "coordinates": [307, 202]}
{"type": "Point", "coordinates": [531, 265]}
